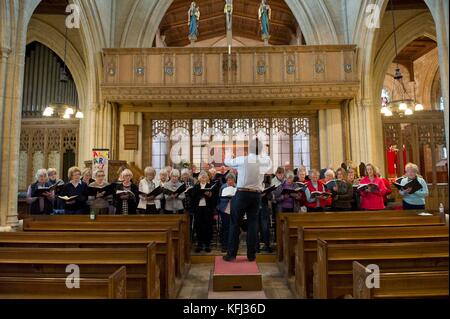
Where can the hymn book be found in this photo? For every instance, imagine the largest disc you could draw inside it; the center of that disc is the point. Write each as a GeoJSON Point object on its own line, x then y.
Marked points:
{"type": "Point", "coordinates": [107, 189]}
{"type": "Point", "coordinates": [155, 192]}
{"type": "Point", "coordinates": [125, 191]}
{"type": "Point", "coordinates": [331, 184]}
{"type": "Point", "coordinates": [365, 187]}
{"type": "Point", "coordinates": [210, 189]}
{"type": "Point", "coordinates": [67, 198]}
{"type": "Point", "coordinates": [228, 192]}
{"type": "Point", "coordinates": [41, 190]}
{"type": "Point", "coordinates": [268, 190]}
{"type": "Point", "coordinates": [413, 184]}
{"type": "Point", "coordinates": [178, 191]}
{"type": "Point", "coordinates": [316, 194]}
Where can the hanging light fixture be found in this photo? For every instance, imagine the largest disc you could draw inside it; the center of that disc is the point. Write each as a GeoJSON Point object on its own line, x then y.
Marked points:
{"type": "Point", "coordinates": [62, 109]}
{"type": "Point", "coordinates": [405, 105]}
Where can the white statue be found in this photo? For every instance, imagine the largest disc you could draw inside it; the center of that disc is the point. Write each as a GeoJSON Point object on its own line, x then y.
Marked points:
{"type": "Point", "coordinates": [228, 10]}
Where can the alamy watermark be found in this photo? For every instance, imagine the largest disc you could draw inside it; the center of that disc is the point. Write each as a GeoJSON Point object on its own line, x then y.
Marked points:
{"type": "Point", "coordinates": [73, 19]}
{"type": "Point", "coordinates": [373, 280]}
{"type": "Point", "coordinates": [73, 279]}
{"type": "Point", "coordinates": [372, 20]}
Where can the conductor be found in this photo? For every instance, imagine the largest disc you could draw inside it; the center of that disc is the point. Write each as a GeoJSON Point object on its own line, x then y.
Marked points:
{"type": "Point", "coordinates": [250, 172]}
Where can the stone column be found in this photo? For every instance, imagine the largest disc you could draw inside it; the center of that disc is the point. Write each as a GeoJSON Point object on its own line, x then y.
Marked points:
{"type": "Point", "coordinates": [106, 128]}
{"type": "Point", "coordinates": [331, 138]}
{"type": "Point", "coordinates": [366, 133]}
{"type": "Point", "coordinates": [14, 18]}
{"type": "Point", "coordinates": [439, 10]}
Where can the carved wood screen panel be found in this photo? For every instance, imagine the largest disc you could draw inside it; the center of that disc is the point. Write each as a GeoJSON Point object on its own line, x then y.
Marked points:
{"type": "Point", "coordinates": [419, 139]}
{"type": "Point", "coordinates": [43, 144]}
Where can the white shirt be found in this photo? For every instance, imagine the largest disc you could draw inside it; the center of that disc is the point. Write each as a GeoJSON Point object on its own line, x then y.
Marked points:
{"type": "Point", "coordinates": [251, 170]}
{"type": "Point", "coordinates": [146, 187]}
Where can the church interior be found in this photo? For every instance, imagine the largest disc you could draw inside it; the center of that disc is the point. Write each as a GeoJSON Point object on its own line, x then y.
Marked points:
{"type": "Point", "coordinates": [122, 123]}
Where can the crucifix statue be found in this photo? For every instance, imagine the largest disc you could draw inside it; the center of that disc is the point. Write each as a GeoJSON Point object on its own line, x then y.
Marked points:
{"type": "Point", "coordinates": [228, 11]}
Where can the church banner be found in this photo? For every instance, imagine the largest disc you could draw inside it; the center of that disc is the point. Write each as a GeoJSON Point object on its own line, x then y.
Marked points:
{"type": "Point", "coordinates": [100, 159]}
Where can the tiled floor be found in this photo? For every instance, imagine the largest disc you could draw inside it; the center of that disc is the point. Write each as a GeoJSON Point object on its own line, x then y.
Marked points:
{"type": "Point", "coordinates": [197, 282]}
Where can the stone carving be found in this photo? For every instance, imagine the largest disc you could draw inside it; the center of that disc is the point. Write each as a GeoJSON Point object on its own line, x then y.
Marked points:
{"type": "Point", "coordinates": [168, 66]}
{"type": "Point", "coordinates": [290, 66]}
{"type": "Point", "coordinates": [234, 93]}
{"type": "Point", "coordinates": [320, 66]}
{"type": "Point", "coordinates": [198, 65]}
{"type": "Point", "coordinates": [348, 68]}
{"type": "Point", "coordinates": [261, 67]}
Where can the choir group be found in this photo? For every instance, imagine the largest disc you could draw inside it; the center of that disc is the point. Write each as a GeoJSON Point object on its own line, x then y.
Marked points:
{"type": "Point", "coordinates": [207, 195]}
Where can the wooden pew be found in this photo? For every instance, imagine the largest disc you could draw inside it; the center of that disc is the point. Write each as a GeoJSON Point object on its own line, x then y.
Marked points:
{"type": "Point", "coordinates": [141, 265]}
{"type": "Point", "coordinates": [49, 223]}
{"type": "Point", "coordinates": [333, 269]}
{"type": "Point", "coordinates": [426, 284]}
{"type": "Point", "coordinates": [290, 231]}
{"type": "Point", "coordinates": [54, 287]}
{"type": "Point", "coordinates": [164, 247]}
{"type": "Point", "coordinates": [306, 248]}
{"type": "Point", "coordinates": [282, 217]}
{"type": "Point", "coordinates": [183, 218]}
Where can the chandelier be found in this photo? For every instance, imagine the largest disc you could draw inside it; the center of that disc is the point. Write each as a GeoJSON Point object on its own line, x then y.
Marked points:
{"type": "Point", "coordinates": [59, 107]}
{"type": "Point", "coordinates": [406, 104]}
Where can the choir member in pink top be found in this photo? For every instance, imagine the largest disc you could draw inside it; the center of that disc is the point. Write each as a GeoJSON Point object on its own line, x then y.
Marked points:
{"type": "Point", "coordinates": [372, 198]}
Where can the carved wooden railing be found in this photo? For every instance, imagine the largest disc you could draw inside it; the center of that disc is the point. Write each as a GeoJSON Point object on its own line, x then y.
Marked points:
{"type": "Point", "coordinates": [249, 73]}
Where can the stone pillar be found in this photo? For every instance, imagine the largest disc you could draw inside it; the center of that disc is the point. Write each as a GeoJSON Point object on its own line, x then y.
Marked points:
{"type": "Point", "coordinates": [366, 133]}
{"type": "Point", "coordinates": [106, 128]}
{"type": "Point", "coordinates": [14, 18]}
{"type": "Point", "coordinates": [331, 138]}
{"type": "Point", "coordinates": [439, 10]}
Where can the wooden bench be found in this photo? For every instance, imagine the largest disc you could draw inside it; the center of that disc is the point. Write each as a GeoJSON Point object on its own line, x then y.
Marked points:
{"type": "Point", "coordinates": [183, 218]}
{"type": "Point", "coordinates": [426, 284]}
{"type": "Point", "coordinates": [54, 287]}
{"type": "Point", "coordinates": [164, 247]}
{"type": "Point", "coordinates": [290, 231]}
{"type": "Point", "coordinates": [49, 224]}
{"type": "Point", "coordinates": [306, 248]}
{"type": "Point", "coordinates": [333, 275]}
{"type": "Point", "coordinates": [141, 265]}
{"type": "Point", "coordinates": [296, 217]}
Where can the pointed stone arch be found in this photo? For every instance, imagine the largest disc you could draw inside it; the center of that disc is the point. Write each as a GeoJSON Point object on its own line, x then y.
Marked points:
{"type": "Point", "coordinates": [53, 39]}
{"type": "Point", "coordinates": [420, 25]}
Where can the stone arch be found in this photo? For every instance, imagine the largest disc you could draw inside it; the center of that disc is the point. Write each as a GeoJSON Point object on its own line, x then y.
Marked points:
{"type": "Point", "coordinates": [372, 66]}
{"type": "Point", "coordinates": [427, 85]}
{"type": "Point", "coordinates": [146, 15]}
{"type": "Point", "coordinates": [50, 37]}
{"type": "Point", "coordinates": [420, 25]}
